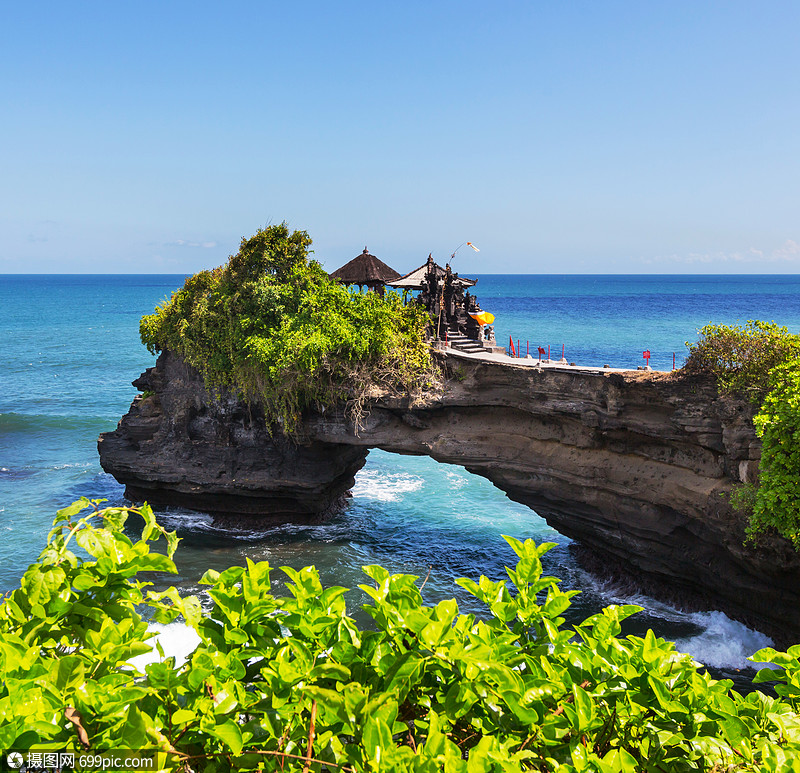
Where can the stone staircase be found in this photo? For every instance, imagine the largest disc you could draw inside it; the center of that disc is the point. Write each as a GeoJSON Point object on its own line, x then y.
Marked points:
{"type": "Point", "coordinates": [463, 344]}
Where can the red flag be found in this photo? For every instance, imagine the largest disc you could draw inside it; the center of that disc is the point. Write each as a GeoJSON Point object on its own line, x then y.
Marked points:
{"type": "Point", "coordinates": [511, 344]}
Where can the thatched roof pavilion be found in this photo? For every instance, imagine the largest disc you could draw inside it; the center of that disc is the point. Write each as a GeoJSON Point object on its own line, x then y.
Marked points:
{"type": "Point", "coordinates": [365, 270]}
{"type": "Point", "coordinates": [413, 280]}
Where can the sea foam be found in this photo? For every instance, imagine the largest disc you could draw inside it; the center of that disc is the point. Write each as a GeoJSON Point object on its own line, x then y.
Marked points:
{"type": "Point", "coordinates": [383, 487]}
{"type": "Point", "coordinates": [720, 642]}
{"type": "Point", "coordinates": [723, 643]}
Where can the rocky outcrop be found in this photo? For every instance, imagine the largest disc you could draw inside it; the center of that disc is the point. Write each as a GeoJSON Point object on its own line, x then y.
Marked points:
{"type": "Point", "coordinates": [635, 466]}
{"type": "Point", "coordinates": [182, 446]}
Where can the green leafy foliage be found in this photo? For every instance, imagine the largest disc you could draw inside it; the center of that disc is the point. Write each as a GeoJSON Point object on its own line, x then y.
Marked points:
{"type": "Point", "coordinates": [741, 357]}
{"type": "Point", "coordinates": [292, 683]}
{"type": "Point", "coordinates": [67, 632]}
{"type": "Point", "coordinates": [743, 497]}
{"type": "Point", "coordinates": [272, 327]}
{"type": "Point", "coordinates": [761, 361]}
{"type": "Point", "coordinates": [777, 501]}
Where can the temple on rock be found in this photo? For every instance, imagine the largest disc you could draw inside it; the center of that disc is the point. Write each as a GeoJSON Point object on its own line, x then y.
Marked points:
{"type": "Point", "coordinates": [455, 314]}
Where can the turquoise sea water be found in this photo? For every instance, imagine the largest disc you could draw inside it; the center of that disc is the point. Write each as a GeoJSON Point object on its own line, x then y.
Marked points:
{"type": "Point", "coordinates": [71, 349]}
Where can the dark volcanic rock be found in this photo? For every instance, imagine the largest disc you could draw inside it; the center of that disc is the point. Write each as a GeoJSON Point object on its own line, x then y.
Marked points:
{"type": "Point", "coordinates": [636, 466]}
{"type": "Point", "coordinates": [181, 446]}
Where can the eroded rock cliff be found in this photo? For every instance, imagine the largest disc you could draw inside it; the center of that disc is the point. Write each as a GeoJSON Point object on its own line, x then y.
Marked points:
{"type": "Point", "coordinates": [635, 466]}
{"type": "Point", "coordinates": [183, 446]}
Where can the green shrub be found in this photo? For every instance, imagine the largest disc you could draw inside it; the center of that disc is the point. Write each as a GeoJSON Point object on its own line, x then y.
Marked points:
{"type": "Point", "coordinates": [272, 327]}
{"type": "Point", "coordinates": [743, 498]}
{"type": "Point", "coordinates": [762, 362]}
{"type": "Point", "coordinates": [741, 358]}
{"type": "Point", "coordinates": [777, 501]}
{"type": "Point", "coordinates": [292, 683]}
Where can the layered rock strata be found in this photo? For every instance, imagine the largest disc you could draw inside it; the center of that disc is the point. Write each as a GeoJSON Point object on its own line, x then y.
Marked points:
{"type": "Point", "coordinates": [182, 446]}
{"type": "Point", "coordinates": [635, 466]}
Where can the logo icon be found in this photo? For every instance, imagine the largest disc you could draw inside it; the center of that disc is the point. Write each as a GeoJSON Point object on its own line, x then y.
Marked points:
{"type": "Point", "coordinates": [14, 760]}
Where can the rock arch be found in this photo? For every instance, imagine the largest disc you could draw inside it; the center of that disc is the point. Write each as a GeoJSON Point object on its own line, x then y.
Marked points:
{"type": "Point", "coordinates": [635, 466]}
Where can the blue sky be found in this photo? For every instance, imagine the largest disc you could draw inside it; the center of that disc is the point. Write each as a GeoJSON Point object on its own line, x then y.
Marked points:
{"type": "Point", "coordinates": [580, 137]}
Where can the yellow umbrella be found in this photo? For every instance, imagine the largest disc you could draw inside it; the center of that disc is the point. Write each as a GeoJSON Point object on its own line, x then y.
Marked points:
{"type": "Point", "coordinates": [483, 317]}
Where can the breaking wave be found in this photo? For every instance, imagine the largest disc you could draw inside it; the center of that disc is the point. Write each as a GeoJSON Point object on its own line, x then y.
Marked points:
{"type": "Point", "coordinates": [711, 637]}
{"type": "Point", "coordinates": [723, 643]}
{"type": "Point", "coordinates": [385, 487]}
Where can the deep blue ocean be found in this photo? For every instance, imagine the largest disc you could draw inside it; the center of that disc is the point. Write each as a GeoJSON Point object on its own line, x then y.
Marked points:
{"type": "Point", "coordinates": [71, 349]}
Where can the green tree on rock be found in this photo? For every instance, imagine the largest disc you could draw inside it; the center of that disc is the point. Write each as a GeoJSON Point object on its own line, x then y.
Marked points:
{"type": "Point", "coordinates": [761, 361]}
{"type": "Point", "coordinates": [274, 329]}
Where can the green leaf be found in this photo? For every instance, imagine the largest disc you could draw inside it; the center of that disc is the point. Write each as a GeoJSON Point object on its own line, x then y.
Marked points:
{"type": "Point", "coordinates": [659, 690]}
{"type": "Point", "coordinates": [73, 509]}
{"type": "Point", "coordinates": [235, 636]}
{"type": "Point", "coordinates": [330, 671]}
{"type": "Point", "coordinates": [182, 716]}
{"type": "Point", "coordinates": [134, 731]}
{"type": "Point", "coordinates": [433, 633]}
{"type": "Point", "coordinates": [377, 738]}
{"type": "Point", "coordinates": [225, 701]}
{"type": "Point", "coordinates": [230, 734]}
{"type": "Point", "coordinates": [584, 707]}
{"type": "Point", "coordinates": [620, 761]}
{"type": "Point", "coordinates": [210, 577]}
{"type": "Point", "coordinates": [84, 581]}
{"type": "Point", "coordinates": [69, 672]}
{"type": "Point", "coordinates": [329, 699]}
{"type": "Point", "coordinates": [155, 563]}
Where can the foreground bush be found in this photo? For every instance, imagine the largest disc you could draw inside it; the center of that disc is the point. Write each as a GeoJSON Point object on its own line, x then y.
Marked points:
{"type": "Point", "coordinates": [292, 683]}
{"type": "Point", "coordinates": [272, 327]}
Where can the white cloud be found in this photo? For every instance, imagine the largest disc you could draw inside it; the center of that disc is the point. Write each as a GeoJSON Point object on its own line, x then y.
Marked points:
{"type": "Point", "coordinates": [788, 251]}
{"type": "Point", "coordinates": [185, 243]}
